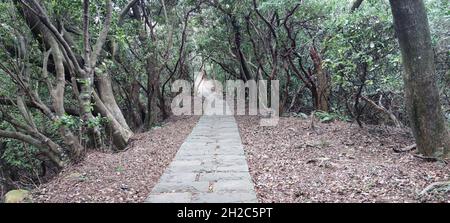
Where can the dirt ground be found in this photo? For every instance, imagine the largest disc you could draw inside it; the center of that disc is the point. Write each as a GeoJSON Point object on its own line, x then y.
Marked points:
{"type": "Point", "coordinates": [338, 162]}
{"type": "Point", "coordinates": [128, 176]}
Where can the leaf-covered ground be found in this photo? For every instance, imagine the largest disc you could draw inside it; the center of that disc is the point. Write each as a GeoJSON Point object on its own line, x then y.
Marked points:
{"type": "Point", "coordinates": [128, 176]}
{"type": "Point", "coordinates": [338, 162]}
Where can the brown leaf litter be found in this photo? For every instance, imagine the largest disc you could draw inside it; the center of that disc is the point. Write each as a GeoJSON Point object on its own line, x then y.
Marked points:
{"type": "Point", "coordinates": [127, 176]}
{"type": "Point", "coordinates": [337, 162]}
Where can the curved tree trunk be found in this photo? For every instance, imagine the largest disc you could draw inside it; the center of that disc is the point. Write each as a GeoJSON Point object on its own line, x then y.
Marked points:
{"type": "Point", "coordinates": [105, 91]}
{"type": "Point", "coordinates": [83, 71]}
{"type": "Point", "coordinates": [57, 94]}
{"type": "Point", "coordinates": [120, 135]}
{"type": "Point", "coordinates": [422, 96]}
{"type": "Point", "coordinates": [56, 90]}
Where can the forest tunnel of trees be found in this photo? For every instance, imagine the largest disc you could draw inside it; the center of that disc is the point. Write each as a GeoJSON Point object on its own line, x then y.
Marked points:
{"type": "Point", "coordinates": [86, 75]}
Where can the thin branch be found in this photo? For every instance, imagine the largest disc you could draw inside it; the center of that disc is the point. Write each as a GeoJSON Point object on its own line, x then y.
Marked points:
{"type": "Point", "coordinates": [103, 34]}
{"type": "Point", "coordinates": [125, 10]}
{"type": "Point", "coordinates": [21, 137]}
{"type": "Point", "coordinates": [40, 13]}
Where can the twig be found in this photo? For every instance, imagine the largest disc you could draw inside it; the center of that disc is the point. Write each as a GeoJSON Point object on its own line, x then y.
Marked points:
{"type": "Point", "coordinates": [405, 149]}
{"type": "Point", "coordinates": [430, 158]}
{"type": "Point", "coordinates": [434, 186]}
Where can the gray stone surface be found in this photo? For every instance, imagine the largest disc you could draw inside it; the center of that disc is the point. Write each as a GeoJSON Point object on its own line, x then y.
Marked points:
{"type": "Point", "coordinates": [170, 198]}
{"type": "Point", "coordinates": [210, 167]}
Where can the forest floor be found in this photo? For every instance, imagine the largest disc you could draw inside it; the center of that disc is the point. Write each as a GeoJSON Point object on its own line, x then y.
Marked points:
{"type": "Point", "coordinates": [338, 162]}
{"type": "Point", "coordinates": [127, 176]}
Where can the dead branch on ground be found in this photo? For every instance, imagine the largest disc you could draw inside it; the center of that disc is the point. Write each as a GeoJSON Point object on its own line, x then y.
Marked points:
{"type": "Point", "coordinates": [405, 149]}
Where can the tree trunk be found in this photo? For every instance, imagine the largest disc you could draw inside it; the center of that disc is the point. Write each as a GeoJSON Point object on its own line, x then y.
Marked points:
{"type": "Point", "coordinates": [120, 135]}
{"type": "Point", "coordinates": [422, 97]}
{"type": "Point", "coordinates": [245, 72]}
{"type": "Point", "coordinates": [135, 106]}
{"type": "Point", "coordinates": [57, 94]}
{"type": "Point", "coordinates": [356, 4]}
{"type": "Point", "coordinates": [42, 33]}
{"type": "Point", "coordinates": [152, 92]}
{"type": "Point", "coordinates": [322, 82]}
{"type": "Point", "coordinates": [105, 92]}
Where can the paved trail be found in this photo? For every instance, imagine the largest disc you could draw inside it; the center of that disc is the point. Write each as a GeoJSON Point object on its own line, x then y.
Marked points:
{"type": "Point", "coordinates": [210, 167]}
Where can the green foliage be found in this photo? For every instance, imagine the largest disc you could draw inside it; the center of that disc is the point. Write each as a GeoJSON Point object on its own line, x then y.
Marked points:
{"type": "Point", "coordinates": [363, 37]}
{"type": "Point", "coordinates": [326, 117]}
{"type": "Point", "coordinates": [97, 121]}
{"type": "Point", "coordinates": [68, 121]}
{"type": "Point", "coordinates": [75, 123]}
{"type": "Point", "coordinates": [20, 155]}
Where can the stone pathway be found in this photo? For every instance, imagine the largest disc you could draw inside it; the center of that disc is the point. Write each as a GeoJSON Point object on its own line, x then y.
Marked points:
{"type": "Point", "coordinates": [210, 167]}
